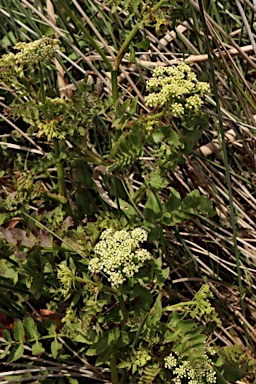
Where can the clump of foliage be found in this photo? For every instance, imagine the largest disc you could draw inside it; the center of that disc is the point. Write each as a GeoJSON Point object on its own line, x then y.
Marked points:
{"type": "Point", "coordinates": [79, 240]}
{"type": "Point", "coordinates": [30, 55]}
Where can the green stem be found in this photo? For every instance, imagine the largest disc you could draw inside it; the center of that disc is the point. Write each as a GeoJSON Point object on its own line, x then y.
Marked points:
{"type": "Point", "coordinates": [123, 378]}
{"type": "Point", "coordinates": [138, 195]}
{"type": "Point", "coordinates": [114, 85]}
{"type": "Point", "coordinates": [61, 178]}
{"type": "Point", "coordinates": [92, 157]}
{"type": "Point", "coordinates": [180, 305]}
{"type": "Point", "coordinates": [59, 165]}
{"type": "Point", "coordinates": [114, 375]}
{"type": "Point", "coordinates": [132, 34]}
{"type": "Point", "coordinates": [45, 337]}
{"type": "Point", "coordinates": [123, 308]}
{"type": "Point", "coordinates": [99, 284]}
{"type": "Point", "coordinates": [124, 48]}
{"type": "Point", "coordinates": [127, 42]}
{"type": "Point", "coordinates": [60, 170]}
{"type": "Point", "coordinates": [57, 198]}
{"type": "Point", "coordinates": [134, 344]}
{"type": "Point", "coordinates": [42, 90]}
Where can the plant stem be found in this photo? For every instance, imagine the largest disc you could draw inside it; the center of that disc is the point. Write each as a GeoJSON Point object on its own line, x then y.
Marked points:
{"type": "Point", "coordinates": [61, 178]}
{"type": "Point", "coordinates": [92, 157]}
{"type": "Point", "coordinates": [126, 44]}
{"type": "Point", "coordinates": [138, 195]}
{"type": "Point", "coordinates": [114, 85]}
{"type": "Point", "coordinates": [99, 284]}
{"type": "Point", "coordinates": [180, 305]}
{"type": "Point", "coordinates": [114, 375]}
{"type": "Point", "coordinates": [123, 378]}
{"type": "Point", "coordinates": [123, 308]}
{"type": "Point", "coordinates": [140, 330]}
{"type": "Point", "coordinates": [60, 169]}
{"type": "Point", "coordinates": [57, 198]}
{"type": "Point", "coordinates": [124, 48]}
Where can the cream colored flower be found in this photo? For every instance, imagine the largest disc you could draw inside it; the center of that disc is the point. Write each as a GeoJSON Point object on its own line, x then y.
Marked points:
{"type": "Point", "coordinates": [118, 254]}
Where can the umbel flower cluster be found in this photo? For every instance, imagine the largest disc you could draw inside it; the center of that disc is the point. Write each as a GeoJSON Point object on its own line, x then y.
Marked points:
{"type": "Point", "coordinates": [118, 254]}
{"type": "Point", "coordinates": [177, 86]}
{"type": "Point", "coordinates": [195, 375]}
{"type": "Point", "coordinates": [38, 51]}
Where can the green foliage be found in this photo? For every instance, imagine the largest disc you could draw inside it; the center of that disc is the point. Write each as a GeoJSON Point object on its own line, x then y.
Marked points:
{"type": "Point", "coordinates": [56, 117]}
{"type": "Point", "coordinates": [149, 374]}
{"type": "Point", "coordinates": [176, 210]}
{"type": "Point", "coordinates": [91, 247]}
{"type": "Point", "coordinates": [24, 332]}
{"type": "Point", "coordinates": [233, 363]}
{"type": "Point", "coordinates": [127, 149]}
{"type": "Point", "coordinates": [151, 13]}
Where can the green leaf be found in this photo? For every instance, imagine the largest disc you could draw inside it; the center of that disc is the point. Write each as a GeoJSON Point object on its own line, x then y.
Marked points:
{"type": "Point", "coordinates": [171, 336]}
{"type": "Point", "coordinates": [135, 5]}
{"type": "Point", "coordinates": [106, 340]}
{"type": "Point", "coordinates": [144, 294]}
{"type": "Point", "coordinates": [5, 352]}
{"type": "Point", "coordinates": [126, 104]}
{"type": "Point", "coordinates": [173, 202]}
{"type": "Point", "coordinates": [156, 312]}
{"type": "Point", "coordinates": [9, 39]}
{"type": "Point", "coordinates": [132, 54]}
{"type": "Point", "coordinates": [157, 182]}
{"type": "Point", "coordinates": [37, 348]}
{"type": "Point", "coordinates": [171, 210]}
{"type": "Point", "coordinates": [153, 208]}
{"type": "Point", "coordinates": [124, 364]}
{"type": "Point", "coordinates": [133, 106]}
{"type": "Point", "coordinates": [6, 335]}
{"type": "Point", "coordinates": [118, 119]}
{"type": "Point", "coordinates": [31, 328]}
{"type": "Point", "coordinates": [104, 357]}
{"type": "Point", "coordinates": [73, 381]}
{"type": "Point", "coordinates": [82, 339]}
{"type": "Point", "coordinates": [157, 136]}
{"type": "Point", "coordinates": [112, 336]}
{"type": "Point", "coordinates": [143, 45]}
{"type": "Point", "coordinates": [185, 326]}
{"type": "Point", "coordinates": [19, 333]}
{"type": "Point", "coordinates": [129, 212]}
{"type": "Point", "coordinates": [7, 270]}
{"type": "Point", "coordinates": [123, 340]}
{"type": "Point", "coordinates": [55, 347]}
{"type": "Point", "coordinates": [191, 201]}
{"type": "Point", "coordinates": [16, 353]}
{"type": "Point", "coordinates": [97, 348]}
{"type": "Point", "coordinates": [3, 217]}
{"type": "Point", "coordinates": [165, 273]}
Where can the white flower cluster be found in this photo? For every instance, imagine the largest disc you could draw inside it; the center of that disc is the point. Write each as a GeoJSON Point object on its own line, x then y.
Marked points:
{"type": "Point", "coordinates": [174, 84]}
{"type": "Point", "coordinates": [182, 369]}
{"type": "Point", "coordinates": [38, 51]}
{"type": "Point", "coordinates": [118, 254]}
